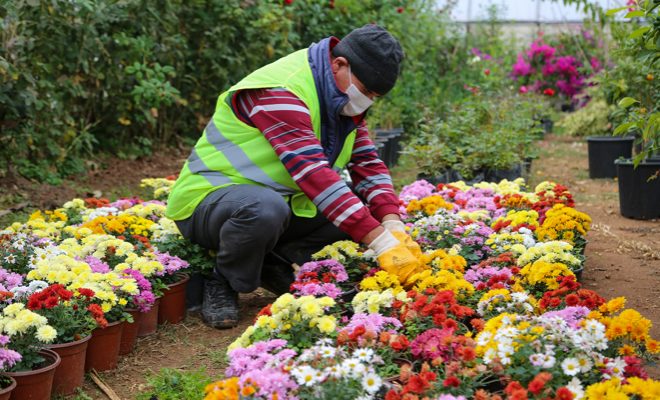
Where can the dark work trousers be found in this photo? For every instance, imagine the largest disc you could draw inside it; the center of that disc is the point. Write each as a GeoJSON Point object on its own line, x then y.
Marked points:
{"type": "Point", "coordinates": [245, 223]}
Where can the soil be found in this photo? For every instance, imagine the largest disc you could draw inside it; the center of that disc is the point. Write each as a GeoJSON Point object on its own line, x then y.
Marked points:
{"type": "Point", "coordinates": [111, 178]}
{"type": "Point", "coordinates": [623, 256]}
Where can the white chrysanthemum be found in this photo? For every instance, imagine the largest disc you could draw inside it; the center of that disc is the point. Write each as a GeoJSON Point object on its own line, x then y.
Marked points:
{"type": "Point", "coordinates": [570, 366]}
{"type": "Point", "coordinates": [353, 367]}
{"type": "Point", "coordinates": [363, 354]}
{"type": "Point", "coordinates": [334, 371]}
{"type": "Point", "coordinates": [615, 368]}
{"type": "Point", "coordinates": [327, 351]}
{"type": "Point", "coordinates": [371, 382]}
{"type": "Point", "coordinates": [548, 361]}
{"type": "Point", "coordinates": [305, 375]}
{"type": "Point", "coordinates": [585, 363]}
{"type": "Point", "coordinates": [575, 386]}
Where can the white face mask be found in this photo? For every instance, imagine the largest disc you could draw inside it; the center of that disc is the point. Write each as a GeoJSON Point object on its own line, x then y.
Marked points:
{"type": "Point", "coordinates": [358, 102]}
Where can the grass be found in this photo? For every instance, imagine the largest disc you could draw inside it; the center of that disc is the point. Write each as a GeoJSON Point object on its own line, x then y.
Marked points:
{"type": "Point", "coordinates": [217, 357]}
{"type": "Point", "coordinates": [174, 384]}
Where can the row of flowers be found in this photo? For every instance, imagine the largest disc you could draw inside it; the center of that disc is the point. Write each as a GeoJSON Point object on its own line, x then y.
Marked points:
{"type": "Point", "coordinates": [498, 314]}
{"type": "Point", "coordinates": [68, 271]}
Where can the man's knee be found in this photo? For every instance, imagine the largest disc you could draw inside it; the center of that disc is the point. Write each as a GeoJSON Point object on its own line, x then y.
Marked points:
{"type": "Point", "coordinates": [266, 210]}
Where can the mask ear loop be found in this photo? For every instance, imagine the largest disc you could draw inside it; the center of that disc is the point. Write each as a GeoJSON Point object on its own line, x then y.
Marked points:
{"type": "Point", "coordinates": [350, 76]}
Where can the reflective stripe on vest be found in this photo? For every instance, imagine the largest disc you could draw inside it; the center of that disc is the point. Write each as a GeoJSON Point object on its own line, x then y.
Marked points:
{"type": "Point", "coordinates": [240, 161]}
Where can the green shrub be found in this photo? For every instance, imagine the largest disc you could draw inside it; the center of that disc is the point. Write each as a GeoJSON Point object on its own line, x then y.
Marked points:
{"type": "Point", "coordinates": [590, 120]}
{"type": "Point", "coordinates": [128, 77]}
{"type": "Point", "coordinates": [480, 133]}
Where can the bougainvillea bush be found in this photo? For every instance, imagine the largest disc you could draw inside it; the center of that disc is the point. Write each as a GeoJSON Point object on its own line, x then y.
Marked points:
{"type": "Point", "coordinates": [497, 314]}
{"type": "Point", "coordinates": [559, 66]}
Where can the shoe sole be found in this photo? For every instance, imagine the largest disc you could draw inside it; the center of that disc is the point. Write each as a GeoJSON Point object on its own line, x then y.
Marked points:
{"type": "Point", "coordinates": [224, 324]}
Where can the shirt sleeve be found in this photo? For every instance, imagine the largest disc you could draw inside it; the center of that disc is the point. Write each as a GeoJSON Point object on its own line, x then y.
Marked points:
{"type": "Point", "coordinates": [285, 121]}
{"type": "Point", "coordinates": [371, 177]}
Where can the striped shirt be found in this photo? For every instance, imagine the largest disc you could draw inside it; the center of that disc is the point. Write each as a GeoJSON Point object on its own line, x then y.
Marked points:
{"type": "Point", "coordinates": [286, 123]}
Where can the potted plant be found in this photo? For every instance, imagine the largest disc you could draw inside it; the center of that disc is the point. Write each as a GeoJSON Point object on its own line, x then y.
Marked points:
{"type": "Point", "coordinates": [200, 261]}
{"type": "Point", "coordinates": [172, 307]}
{"type": "Point", "coordinates": [639, 186]}
{"type": "Point", "coordinates": [70, 315]}
{"type": "Point", "coordinates": [28, 334]}
{"type": "Point", "coordinates": [8, 358]}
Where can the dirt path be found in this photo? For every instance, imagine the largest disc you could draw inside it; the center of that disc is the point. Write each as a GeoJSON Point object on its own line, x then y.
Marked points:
{"type": "Point", "coordinates": [623, 257]}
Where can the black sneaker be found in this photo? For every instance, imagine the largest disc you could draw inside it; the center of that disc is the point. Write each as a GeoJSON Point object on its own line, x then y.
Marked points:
{"type": "Point", "coordinates": [220, 305]}
{"type": "Point", "coordinates": [277, 278]}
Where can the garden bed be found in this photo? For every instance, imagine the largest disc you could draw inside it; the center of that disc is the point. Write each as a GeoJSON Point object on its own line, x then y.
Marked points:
{"type": "Point", "coordinates": [612, 243]}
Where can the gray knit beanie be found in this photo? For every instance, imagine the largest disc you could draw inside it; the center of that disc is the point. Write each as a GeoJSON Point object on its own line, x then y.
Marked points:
{"type": "Point", "coordinates": [374, 55]}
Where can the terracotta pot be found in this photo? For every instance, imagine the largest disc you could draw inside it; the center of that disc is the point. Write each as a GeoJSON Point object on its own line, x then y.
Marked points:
{"type": "Point", "coordinates": [172, 309]}
{"type": "Point", "coordinates": [129, 332]}
{"type": "Point", "coordinates": [5, 393]}
{"type": "Point", "coordinates": [70, 374]}
{"type": "Point", "coordinates": [36, 384]}
{"type": "Point", "coordinates": [149, 320]}
{"type": "Point", "coordinates": [103, 348]}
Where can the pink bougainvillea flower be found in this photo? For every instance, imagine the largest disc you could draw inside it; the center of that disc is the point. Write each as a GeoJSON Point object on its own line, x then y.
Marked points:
{"type": "Point", "coordinates": [522, 67]}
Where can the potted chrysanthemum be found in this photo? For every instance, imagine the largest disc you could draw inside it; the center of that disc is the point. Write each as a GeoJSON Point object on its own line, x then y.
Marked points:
{"type": "Point", "coordinates": [70, 314]}
{"type": "Point", "coordinates": [29, 333]}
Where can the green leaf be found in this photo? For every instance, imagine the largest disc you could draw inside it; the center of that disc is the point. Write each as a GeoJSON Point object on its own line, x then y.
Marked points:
{"type": "Point", "coordinates": [613, 11]}
{"type": "Point", "coordinates": [623, 128]}
{"type": "Point", "coordinates": [627, 102]}
{"type": "Point", "coordinates": [635, 14]}
{"type": "Point", "coordinates": [639, 32]}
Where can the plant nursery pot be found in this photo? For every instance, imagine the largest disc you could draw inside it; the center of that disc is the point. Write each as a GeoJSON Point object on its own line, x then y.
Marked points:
{"type": "Point", "coordinates": [70, 374]}
{"type": "Point", "coordinates": [639, 188]}
{"type": "Point", "coordinates": [103, 348]}
{"type": "Point", "coordinates": [547, 124]}
{"type": "Point", "coordinates": [347, 295]}
{"type": "Point", "coordinates": [527, 166]}
{"type": "Point", "coordinates": [149, 320]}
{"type": "Point", "coordinates": [496, 175]}
{"type": "Point", "coordinates": [195, 292]}
{"type": "Point", "coordinates": [5, 393]}
{"type": "Point", "coordinates": [172, 308]}
{"type": "Point", "coordinates": [129, 332]}
{"type": "Point", "coordinates": [578, 274]}
{"type": "Point", "coordinates": [392, 144]}
{"type": "Point", "coordinates": [37, 383]}
{"type": "Point", "coordinates": [447, 176]}
{"type": "Point", "coordinates": [603, 151]}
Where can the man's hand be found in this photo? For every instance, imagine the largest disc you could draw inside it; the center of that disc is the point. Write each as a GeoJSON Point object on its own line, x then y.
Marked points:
{"type": "Point", "coordinates": [398, 229]}
{"type": "Point", "coordinates": [394, 257]}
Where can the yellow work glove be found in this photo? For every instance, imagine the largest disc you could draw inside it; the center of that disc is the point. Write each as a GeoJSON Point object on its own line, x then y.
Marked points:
{"type": "Point", "coordinates": [394, 257]}
{"type": "Point", "coordinates": [398, 229]}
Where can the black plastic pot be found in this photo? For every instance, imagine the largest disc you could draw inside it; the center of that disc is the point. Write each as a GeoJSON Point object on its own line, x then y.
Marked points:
{"type": "Point", "coordinates": [195, 291]}
{"type": "Point", "coordinates": [391, 138]}
{"type": "Point", "coordinates": [496, 175]}
{"type": "Point", "coordinates": [639, 188]}
{"type": "Point", "coordinates": [548, 124]}
{"type": "Point", "coordinates": [603, 151]}
{"type": "Point", "coordinates": [384, 148]}
{"type": "Point", "coordinates": [578, 274]}
{"type": "Point", "coordinates": [527, 166]}
{"type": "Point", "coordinates": [452, 175]}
